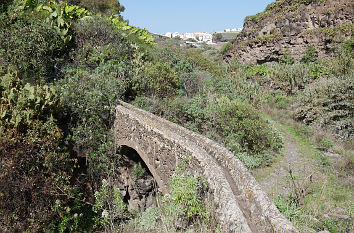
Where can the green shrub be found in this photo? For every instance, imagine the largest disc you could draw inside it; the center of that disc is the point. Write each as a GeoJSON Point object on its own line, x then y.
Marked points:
{"type": "Point", "coordinates": [74, 216]}
{"type": "Point", "coordinates": [328, 103]}
{"type": "Point", "coordinates": [226, 48]}
{"type": "Point", "coordinates": [249, 161]}
{"type": "Point", "coordinates": [291, 78]}
{"type": "Point", "coordinates": [287, 58]}
{"type": "Point", "coordinates": [259, 71]}
{"type": "Point", "coordinates": [317, 70]}
{"type": "Point", "coordinates": [310, 55]}
{"type": "Point", "coordinates": [187, 191]}
{"type": "Point", "coordinates": [159, 80]}
{"type": "Point", "coordinates": [138, 171]}
{"type": "Point", "coordinates": [22, 105]}
{"type": "Point", "coordinates": [99, 43]}
{"type": "Point", "coordinates": [349, 45]}
{"type": "Point", "coordinates": [90, 100]}
{"type": "Point", "coordinates": [281, 101]}
{"type": "Point", "coordinates": [287, 206]}
{"type": "Point", "coordinates": [186, 204]}
{"type": "Point", "coordinates": [4, 5]}
{"type": "Point", "coordinates": [30, 46]}
{"type": "Point", "coordinates": [110, 206]}
{"type": "Point", "coordinates": [201, 62]}
{"type": "Point", "coordinates": [240, 119]}
{"type": "Point", "coordinates": [325, 144]}
{"type": "Point", "coordinates": [35, 169]}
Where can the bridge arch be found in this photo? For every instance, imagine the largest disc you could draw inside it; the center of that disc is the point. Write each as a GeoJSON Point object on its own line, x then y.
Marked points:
{"type": "Point", "coordinates": [241, 204]}
{"type": "Point", "coordinates": [145, 158]}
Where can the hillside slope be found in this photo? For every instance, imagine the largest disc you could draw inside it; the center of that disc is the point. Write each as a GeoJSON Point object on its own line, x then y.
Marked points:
{"type": "Point", "coordinates": [290, 26]}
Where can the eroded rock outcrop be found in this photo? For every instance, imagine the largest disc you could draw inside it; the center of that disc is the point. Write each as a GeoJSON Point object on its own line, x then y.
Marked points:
{"type": "Point", "coordinates": [290, 26]}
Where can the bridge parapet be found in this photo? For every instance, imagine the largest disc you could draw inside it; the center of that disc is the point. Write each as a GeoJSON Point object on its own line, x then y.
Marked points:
{"type": "Point", "coordinates": [241, 205]}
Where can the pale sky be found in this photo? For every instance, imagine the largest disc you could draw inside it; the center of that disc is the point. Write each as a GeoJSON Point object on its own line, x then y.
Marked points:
{"type": "Point", "coordinates": [161, 16]}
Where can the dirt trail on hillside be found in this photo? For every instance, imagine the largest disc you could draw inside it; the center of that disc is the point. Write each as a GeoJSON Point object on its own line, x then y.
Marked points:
{"type": "Point", "coordinates": [275, 180]}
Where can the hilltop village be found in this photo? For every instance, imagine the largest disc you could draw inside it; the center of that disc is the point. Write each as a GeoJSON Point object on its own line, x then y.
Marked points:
{"type": "Point", "coordinates": [202, 37]}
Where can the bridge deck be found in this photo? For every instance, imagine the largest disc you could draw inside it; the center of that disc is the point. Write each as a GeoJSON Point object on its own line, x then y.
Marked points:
{"type": "Point", "coordinates": [242, 205]}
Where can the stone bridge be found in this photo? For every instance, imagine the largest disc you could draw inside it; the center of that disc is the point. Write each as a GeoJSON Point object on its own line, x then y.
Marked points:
{"type": "Point", "coordinates": [241, 205]}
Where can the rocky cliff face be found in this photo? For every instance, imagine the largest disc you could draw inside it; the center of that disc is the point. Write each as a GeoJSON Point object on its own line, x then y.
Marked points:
{"type": "Point", "coordinates": [290, 26]}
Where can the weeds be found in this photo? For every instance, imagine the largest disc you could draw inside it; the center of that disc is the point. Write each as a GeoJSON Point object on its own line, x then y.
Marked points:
{"type": "Point", "coordinates": [300, 190]}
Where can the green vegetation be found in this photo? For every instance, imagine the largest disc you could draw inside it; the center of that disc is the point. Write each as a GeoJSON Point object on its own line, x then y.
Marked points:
{"type": "Point", "coordinates": [310, 55]}
{"type": "Point", "coordinates": [331, 33]}
{"type": "Point", "coordinates": [188, 200]}
{"type": "Point", "coordinates": [280, 6]}
{"type": "Point", "coordinates": [286, 58]}
{"type": "Point", "coordinates": [227, 47]}
{"type": "Point", "coordinates": [64, 68]}
{"type": "Point", "coordinates": [36, 170]}
{"type": "Point", "coordinates": [272, 37]}
{"type": "Point", "coordinates": [328, 103]}
{"type": "Point", "coordinates": [327, 204]}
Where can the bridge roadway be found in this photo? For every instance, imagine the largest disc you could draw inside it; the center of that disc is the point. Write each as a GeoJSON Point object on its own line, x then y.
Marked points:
{"type": "Point", "coordinates": [241, 205]}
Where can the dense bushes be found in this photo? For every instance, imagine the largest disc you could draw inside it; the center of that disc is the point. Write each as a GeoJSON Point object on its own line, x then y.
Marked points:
{"type": "Point", "coordinates": [21, 105]}
{"type": "Point", "coordinates": [57, 156]}
{"type": "Point", "coordinates": [34, 170]}
{"type": "Point", "coordinates": [328, 102]}
{"type": "Point", "coordinates": [30, 46]}
{"type": "Point", "coordinates": [187, 207]}
{"type": "Point", "coordinates": [220, 114]}
{"type": "Point", "coordinates": [243, 127]}
{"type": "Point", "coordinates": [227, 47]}
{"type": "Point", "coordinates": [158, 79]}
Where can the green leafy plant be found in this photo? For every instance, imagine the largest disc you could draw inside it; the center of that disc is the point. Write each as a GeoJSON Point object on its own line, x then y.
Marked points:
{"type": "Point", "coordinates": [158, 79]}
{"type": "Point", "coordinates": [310, 55]}
{"type": "Point", "coordinates": [33, 160]}
{"type": "Point", "coordinates": [186, 190]}
{"type": "Point", "coordinates": [21, 105]}
{"type": "Point", "coordinates": [30, 46]}
{"type": "Point", "coordinates": [317, 71]}
{"type": "Point", "coordinates": [327, 102]}
{"type": "Point", "coordinates": [142, 34]}
{"type": "Point", "coordinates": [286, 58]}
{"type": "Point", "coordinates": [138, 171]}
{"type": "Point", "coordinates": [226, 48]}
{"type": "Point", "coordinates": [287, 206]}
{"type": "Point", "coordinates": [109, 204]}
{"type": "Point", "coordinates": [238, 118]}
{"type": "Point", "coordinates": [61, 16]}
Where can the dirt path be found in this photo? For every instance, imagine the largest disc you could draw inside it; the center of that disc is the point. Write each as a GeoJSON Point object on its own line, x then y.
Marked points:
{"type": "Point", "coordinates": [275, 179]}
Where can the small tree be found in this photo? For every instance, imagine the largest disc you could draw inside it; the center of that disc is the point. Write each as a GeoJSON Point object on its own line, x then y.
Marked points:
{"type": "Point", "coordinates": [106, 7]}
{"type": "Point", "coordinates": [218, 36]}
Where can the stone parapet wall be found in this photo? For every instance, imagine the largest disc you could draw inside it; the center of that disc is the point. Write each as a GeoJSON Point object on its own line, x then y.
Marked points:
{"type": "Point", "coordinates": [241, 205]}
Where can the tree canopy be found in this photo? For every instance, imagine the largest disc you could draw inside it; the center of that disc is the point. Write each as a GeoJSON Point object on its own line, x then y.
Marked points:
{"type": "Point", "coordinates": [106, 7]}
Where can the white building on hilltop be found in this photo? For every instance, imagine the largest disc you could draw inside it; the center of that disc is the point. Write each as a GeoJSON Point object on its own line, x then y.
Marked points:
{"type": "Point", "coordinates": [168, 34]}
{"type": "Point", "coordinates": [188, 35]}
{"type": "Point", "coordinates": [204, 37]}
{"type": "Point", "coordinates": [199, 36]}
{"type": "Point", "coordinates": [176, 34]}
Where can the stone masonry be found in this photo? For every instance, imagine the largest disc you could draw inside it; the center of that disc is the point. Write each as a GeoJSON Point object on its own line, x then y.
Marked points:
{"type": "Point", "coordinates": [241, 205]}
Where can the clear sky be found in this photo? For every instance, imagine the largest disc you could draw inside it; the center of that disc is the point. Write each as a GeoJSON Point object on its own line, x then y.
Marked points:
{"type": "Point", "coordinates": [161, 16]}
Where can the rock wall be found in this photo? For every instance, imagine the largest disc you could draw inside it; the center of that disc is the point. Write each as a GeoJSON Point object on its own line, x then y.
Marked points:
{"type": "Point", "coordinates": [241, 205]}
{"type": "Point", "coordinates": [293, 25]}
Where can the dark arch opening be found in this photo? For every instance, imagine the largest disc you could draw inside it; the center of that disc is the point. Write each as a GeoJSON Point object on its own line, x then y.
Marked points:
{"type": "Point", "coordinates": [134, 156]}
{"type": "Point", "coordinates": [136, 182]}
